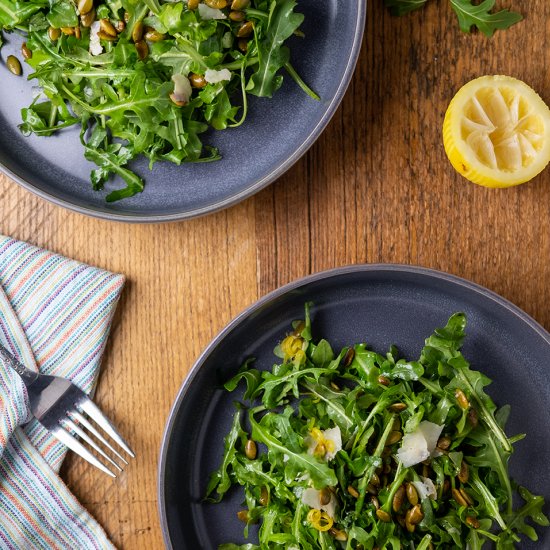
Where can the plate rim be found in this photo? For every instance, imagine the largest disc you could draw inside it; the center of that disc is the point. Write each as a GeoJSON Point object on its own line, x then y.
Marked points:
{"type": "Point", "coordinates": [252, 189]}
{"type": "Point", "coordinates": [284, 289]}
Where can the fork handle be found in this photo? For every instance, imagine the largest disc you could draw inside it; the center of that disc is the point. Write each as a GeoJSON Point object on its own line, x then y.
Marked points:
{"type": "Point", "coordinates": [28, 376]}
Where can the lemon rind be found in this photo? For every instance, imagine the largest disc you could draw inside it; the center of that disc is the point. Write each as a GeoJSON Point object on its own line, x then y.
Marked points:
{"type": "Point", "coordinates": [461, 156]}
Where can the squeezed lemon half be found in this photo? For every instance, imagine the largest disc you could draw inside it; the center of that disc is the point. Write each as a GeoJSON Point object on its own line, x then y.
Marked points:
{"type": "Point", "coordinates": [497, 132]}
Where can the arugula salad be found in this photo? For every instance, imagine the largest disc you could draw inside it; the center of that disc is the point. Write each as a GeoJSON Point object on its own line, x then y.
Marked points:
{"type": "Point", "coordinates": [148, 77]}
{"type": "Point", "coordinates": [357, 450]}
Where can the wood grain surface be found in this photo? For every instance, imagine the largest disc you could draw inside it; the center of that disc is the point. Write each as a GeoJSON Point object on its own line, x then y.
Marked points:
{"type": "Point", "coordinates": [376, 187]}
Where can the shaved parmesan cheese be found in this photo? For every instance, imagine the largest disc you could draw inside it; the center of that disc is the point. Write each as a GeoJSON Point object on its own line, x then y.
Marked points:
{"type": "Point", "coordinates": [425, 488]}
{"type": "Point", "coordinates": [420, 444]}
{"type": "Point", "coordinates": [182, 88]}
{"type": "Point", "coordinates": [414, 449]}
{"type": "Point", "coordinates": [431, 432]}
{"type": "Point", "coordinates": [206, 12]}
{"type": "Point", "coordinates": [331, 439]}
{"type": "Point", "coordinates": [212, 76]}
{"type": "Point", "coordinates": [334, 435]}
{"type": "Point", "coordinates": [95, 45]}
{"type": "Point", "coordinates": [312, 497]}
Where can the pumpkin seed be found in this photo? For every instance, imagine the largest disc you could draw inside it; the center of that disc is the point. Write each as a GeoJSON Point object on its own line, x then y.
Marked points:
{"type": "Point", "coordinates": [250, 448]}
{"type": "Point", "coordinates": [105, 36]}
{"type": "Point", "coordinates": [264, 496]}
{"type": "Point", "coordinates": [338, 534]}
{"type": "Point", "coordinates": [464, 473]}
{"type": "Point", "coordinates": [444, 442]}
{"type": "Point", "coordinates": [414, 515]}
{"type": "Point", "coordinates": [243, 515]}
{"type": "Point", "coordinates": [384, 380]}
{"type": "Point", "coordinates": [350, 354]}
{"type": "Point", "coordinates": [216, 4]}
{"type": "Point", "coordinates": [353, 491]}
{"type": "Point", "coordinates": [397, 407]}
{"type": "Point", "coordinates": [85, 6]}
{"type": "Point", "coordinates": [394, 437]}
{"type": "Point", "coordinates": [372, 489]}
{"type": "Point", "coordinates": [240, 4]}
{"type": "Point", "coordinates": [324, 496]}
{"type": "Point", "coordinates": [197, 80]}
{"type": "Point", "coordinates": [472, 522]}
{"type": "Point", "coordinates": [412, 494]}
{"type": "Point", "coordinates": [193, 4]}
{"type": "Point", "coordinates": [88, 18]}
{"type": "Point", "coordinates": [398, 498]}
{"type": "Point", "coordinates": [237, 16]}
{"type": "Point", "coordinates": [383, 516]}
{"type": "Point", "coordinates": [175, 99]}
{"type": "Point", "coordinates": [242, 44]}
{"type": "Point", "coordinates": [137, 31]}
{"type": "Point", "coordinates": [54, 34]}
{"type": "Point", "coordinates": [69, 31]}
{"type": "Point", "coordinates": [457, 495]}
{"type": "Point", "coordinates": [410, 526]}
{"type": "Point", "coordinates": [462, 400]}
{"type": "Point", "coordinates": [14, 65]}
{"type": "Point", "coordinates": [154, 36]}
{"type": "Point", "coordinates": [120, 26]}
{"type": "Point", "coordinates": [107, 27]}
{"type": "Point", "coordinates": [374, 501]}
{"type": "Point", "coordinates": [245, 30]}
{"type": "Point", "coordinates": [77, 32]}
{"type": "Point", "coordinates": [25, 51]}
{"type": "Point", "coordinates": [142, 49]}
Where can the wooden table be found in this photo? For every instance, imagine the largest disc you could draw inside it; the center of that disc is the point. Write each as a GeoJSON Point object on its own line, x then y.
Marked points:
{"type": "Point", "coordinates": [376, 187]}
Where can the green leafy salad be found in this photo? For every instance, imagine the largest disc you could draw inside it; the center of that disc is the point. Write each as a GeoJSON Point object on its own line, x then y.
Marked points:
{"type": "Point", "coordinates": [148, 77]}
{"type": "Point", "coordinates": [353, 449]}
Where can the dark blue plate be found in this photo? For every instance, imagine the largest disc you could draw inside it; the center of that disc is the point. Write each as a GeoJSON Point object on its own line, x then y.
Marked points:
{"type": "Point", "coordinates": [377, 304]}
{"type": "Point", "coordinates": [276, 134]}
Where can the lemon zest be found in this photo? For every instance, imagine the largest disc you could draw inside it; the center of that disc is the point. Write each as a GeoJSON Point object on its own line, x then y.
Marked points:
{"type": "Point", "coordinates": [291, 345]}
{"type": "Point", "coordinates": [320, 520]}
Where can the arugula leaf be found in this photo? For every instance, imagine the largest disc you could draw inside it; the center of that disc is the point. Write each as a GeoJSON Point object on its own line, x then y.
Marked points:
{"type": "Point", "coordinates": [532, 509]}
{"type": "Point", "coordinates": [480, 16]}
{"type": "Point", "coordinates": [272, 55]}
{"type": "Point", "coordinates": [220, 481]}
{"type": "Point", "coordinates": [469, 13]}
{"type": "Point", "coordinates": [321, 475]}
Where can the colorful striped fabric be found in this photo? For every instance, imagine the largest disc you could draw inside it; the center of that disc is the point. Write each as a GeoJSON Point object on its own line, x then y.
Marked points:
{"type": "Point", "coordinates": [55, 316]}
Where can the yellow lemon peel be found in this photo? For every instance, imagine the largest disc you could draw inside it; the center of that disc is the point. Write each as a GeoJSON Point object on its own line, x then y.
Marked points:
{"type": "Point", "coordinates": [291, 346]}
{"type": "Point", "coordinates": [320, 520]}
{"type": "Point", "coordinates": [496, 132]}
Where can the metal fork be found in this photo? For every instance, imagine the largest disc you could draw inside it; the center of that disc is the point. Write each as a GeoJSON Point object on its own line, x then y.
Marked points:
{"type": "Point", "coordinates": [60, 407]}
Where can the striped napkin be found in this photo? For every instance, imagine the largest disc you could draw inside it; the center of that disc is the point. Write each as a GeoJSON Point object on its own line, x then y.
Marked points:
{"type": "Point", "coordinates": [55, 316]}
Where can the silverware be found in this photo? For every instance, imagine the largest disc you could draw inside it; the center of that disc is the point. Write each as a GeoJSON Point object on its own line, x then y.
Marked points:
{"type": "Point", "coordinates": [60, 407]}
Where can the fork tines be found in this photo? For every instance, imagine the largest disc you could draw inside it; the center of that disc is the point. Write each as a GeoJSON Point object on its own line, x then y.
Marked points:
{"type": "Point", "coordinates": [75, 422]}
